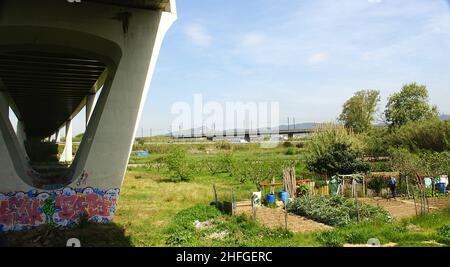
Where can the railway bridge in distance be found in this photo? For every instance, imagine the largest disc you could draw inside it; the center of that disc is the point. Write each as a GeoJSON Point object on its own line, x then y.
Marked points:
{"type": "Point", "coordinates": [55, 56]}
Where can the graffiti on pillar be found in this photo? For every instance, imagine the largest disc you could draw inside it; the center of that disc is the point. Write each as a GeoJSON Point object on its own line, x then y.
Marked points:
{"type": "Point", "coordinates": [22, 210]}
{"type": "Point", "coordinates": [83, 179]}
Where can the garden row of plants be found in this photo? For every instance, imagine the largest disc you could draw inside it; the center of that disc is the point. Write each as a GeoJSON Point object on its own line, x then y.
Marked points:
{"type": "Point", "coordinates": [336, 210]}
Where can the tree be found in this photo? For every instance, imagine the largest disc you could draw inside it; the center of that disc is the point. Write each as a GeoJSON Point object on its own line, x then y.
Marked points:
{"type": "Point", "coordinates": [410, 104]}
{"type": "Point", "coordinates": [177, 164]}
{"type": "Point", "coordinates": [358, 112]}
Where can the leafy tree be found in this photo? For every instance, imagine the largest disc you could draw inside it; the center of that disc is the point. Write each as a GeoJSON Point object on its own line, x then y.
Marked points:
{"type": "Point", "coordinates": [410, 104]}
{"type": "Point", "coordinates": [358, 112]}
{"type": "Point", "coordinates": [177, 164]}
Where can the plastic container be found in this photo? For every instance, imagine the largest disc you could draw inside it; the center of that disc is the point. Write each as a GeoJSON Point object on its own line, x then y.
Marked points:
{"type": "Point", "coordinates": [442, 188]}
{"type": "Point", "coordinates": [270, 199]}
{"type": "Point", "coordinates": [284, 196]}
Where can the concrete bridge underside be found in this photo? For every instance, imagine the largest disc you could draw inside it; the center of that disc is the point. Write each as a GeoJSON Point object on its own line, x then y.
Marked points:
{"type": "Point", "coordinates": [55, 56]}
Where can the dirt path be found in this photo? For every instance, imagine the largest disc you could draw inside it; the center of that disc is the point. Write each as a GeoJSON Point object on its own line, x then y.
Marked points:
{"type": "Point", "coordinates": [405, 208]}
{"type": "Point", "coordinates": [274, 218]}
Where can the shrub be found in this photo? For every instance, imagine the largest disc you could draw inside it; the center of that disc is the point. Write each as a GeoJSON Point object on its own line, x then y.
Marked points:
{"type": "Point", "coordinates": [287, 144]}
{"type": "Point", "coordinates": [290, 151]}
{"type": "Point", "coordinates": [334, 149]}
{"type": "Point", "coordinates": [336, 210]}
{"type": "Point", "coordinates": [340, 158]}
{"type": "Point", "coordinates": [377, 183]}
{"type": "Point", "coordinates": [432, 134]}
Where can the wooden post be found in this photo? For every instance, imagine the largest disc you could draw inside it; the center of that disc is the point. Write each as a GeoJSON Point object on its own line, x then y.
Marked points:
{"type": "Point", "coordinates": [285, 216]}
{"type": "Point", "coordinates": [343, 185]}
{"type": "Point", "coordinates": [233, 202]}
{"type": "Point", "coordinates": [216, 199]}
{"type": "Point", "coordinates": [407, 188]}
{"type": "Point", "coordinates": [364, 186]}
{"type": "Point", "coordinates": [356, 202]}
{"type": "Point", "coordinates": [273, 187]}
{"type": "Point", "coordinates": [414, 198]}
{"type": "Point", "coordinates": [253, 208]}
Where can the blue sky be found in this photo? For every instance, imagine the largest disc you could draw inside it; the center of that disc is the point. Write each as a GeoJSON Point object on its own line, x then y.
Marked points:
{"type": "Point", "coordinates": [309, 55]}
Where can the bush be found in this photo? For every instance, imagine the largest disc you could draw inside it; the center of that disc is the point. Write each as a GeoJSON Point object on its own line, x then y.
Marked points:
{"type": "Point", "coordinates": [290, 151]}
{"type": "Point", "coordinates": [287, 144]}
{"type": "Point", "coordinates": [432, 134]}
{"type": "Point", "coordinates": [334, 149]}
{"type": "Point", "coordinates": [377, 183]}
{"type": "Point", "coordinates": [443, 234]}
{"type": "Point", "coordinates": [340, 159]}
{"type": "Point", "coordinates": [376, 142]}
{"type": "Point", "coordinates": [336, 210]}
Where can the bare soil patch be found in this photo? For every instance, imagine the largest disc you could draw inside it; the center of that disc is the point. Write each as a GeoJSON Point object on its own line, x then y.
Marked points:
{"type": "Point", "coordinates": [274, 218]}
{"type": "Point", "coordinates": [405, 208]}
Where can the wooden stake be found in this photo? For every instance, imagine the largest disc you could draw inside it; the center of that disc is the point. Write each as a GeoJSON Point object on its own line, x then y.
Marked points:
{"type": "Point", "coordinates": [216, 199]}
{"type": "Point", "coordinates": [285, 216]}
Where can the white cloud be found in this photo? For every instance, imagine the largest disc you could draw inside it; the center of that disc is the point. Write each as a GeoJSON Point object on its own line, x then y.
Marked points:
{"type": "Point", "coordinates": [198, 35]}
{"type": "Point", "coordinates": [374, 1]}
{"type": "Point", "coordinates": [318, 58]}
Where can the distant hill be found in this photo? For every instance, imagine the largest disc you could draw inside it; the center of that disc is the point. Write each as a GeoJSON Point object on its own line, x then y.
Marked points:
{"type": "Point", "coordinates": [304, 125]}
{"type": "Point", "coordinates": [444, 117]}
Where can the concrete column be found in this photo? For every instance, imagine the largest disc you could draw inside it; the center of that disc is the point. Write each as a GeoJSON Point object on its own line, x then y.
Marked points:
{"type": "Point", "coordinates": [68, 146]}
{"type": "Point", "coordinates": [21, 135]}
{"type": "Point", "coordinates": [90, 104]}
{"type": "Point", "coordinates": [57, 139]}
{"type": "Point", "coordinates": [247, 137]}
{"type": "Point", "coordinates": [4, 105]}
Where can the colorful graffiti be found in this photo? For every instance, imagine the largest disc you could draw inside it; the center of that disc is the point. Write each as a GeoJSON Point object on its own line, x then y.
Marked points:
{"type": "Point", "coordinates": [20, 210]}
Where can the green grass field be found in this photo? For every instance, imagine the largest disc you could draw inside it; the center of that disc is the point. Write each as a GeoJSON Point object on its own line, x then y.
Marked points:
{"type": "Point", "coordinates": [155, 211]}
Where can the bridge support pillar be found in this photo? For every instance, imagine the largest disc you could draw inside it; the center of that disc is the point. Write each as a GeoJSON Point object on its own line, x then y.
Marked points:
{"type": "Point", "coordinates": [4, 106]}
{"type": "Point", "coordinates": [68, 147]}
{"type": "Point", "coordinates": [21, 135]}
{"type": "Point", "coordinates": [290, 135]}
{"type": "Point", "coordinates": [90, 104]}
{"type": "Point", "coordinates": [127, 40]}
{"type": "Point", "coordinates": [247, 137]}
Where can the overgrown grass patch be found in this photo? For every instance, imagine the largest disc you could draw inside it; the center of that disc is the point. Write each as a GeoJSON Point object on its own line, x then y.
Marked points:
{"type": "Point", "coordinates": [225, 231]}
{"type": "Point", "coordinates": [432, 230]}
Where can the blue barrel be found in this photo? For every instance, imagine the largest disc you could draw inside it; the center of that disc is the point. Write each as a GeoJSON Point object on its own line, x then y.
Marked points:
{"type": "Point", "coordinates": [270, 199]}
{"type": "Point", "coordinates": [284, 196]}
{"type": "Point", "coordinates": [442, 188]}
